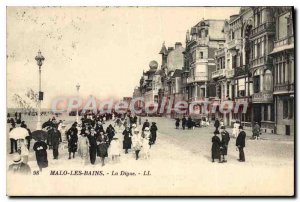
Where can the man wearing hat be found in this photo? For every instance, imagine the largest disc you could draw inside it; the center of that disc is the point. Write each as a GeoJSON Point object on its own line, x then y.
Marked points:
{"type": "Point", "coordinates": [55, 136]}
{"type": "Point", "coordinates": [225, 138]}
{"type": "Point", "coordinates": [18, 167]}
{"type": "Point", "coordinates": [240, 143]}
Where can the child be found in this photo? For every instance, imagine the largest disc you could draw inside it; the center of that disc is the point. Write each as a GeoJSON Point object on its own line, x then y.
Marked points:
{"type": "Point", "coordinates": [24, 152]}
{"type": "Point", "coordinates": [115, 149]}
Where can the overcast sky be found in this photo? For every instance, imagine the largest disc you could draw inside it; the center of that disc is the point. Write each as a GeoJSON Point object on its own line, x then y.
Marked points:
{"type": "Point", "coordinates": [103, 49]}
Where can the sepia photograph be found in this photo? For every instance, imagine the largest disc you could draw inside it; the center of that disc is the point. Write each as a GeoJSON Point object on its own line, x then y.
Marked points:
{"type": "Point", "coordinates": [150, 101]}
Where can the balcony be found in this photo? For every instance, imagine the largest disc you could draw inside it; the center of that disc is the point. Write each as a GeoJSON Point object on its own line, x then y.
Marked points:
{"type": "Point", "coordinates": [196, 79]}
{"type": "Point", "coordinates": [284, 42]}
{"type": "Point", "coordinates": [284, 88]}
{"type": "Point", "coordinates": [234, 44]}
{"type": "Point", "coordinates": [265, 27]}
{"type": "Point", "coordinates": [262, 97]}
{"type": "Point", "coordinates": [229, 73]}
{"type": "Point", "coordinates": [218, 73]}
{"type": "Point", "coordinates": [263, 60]}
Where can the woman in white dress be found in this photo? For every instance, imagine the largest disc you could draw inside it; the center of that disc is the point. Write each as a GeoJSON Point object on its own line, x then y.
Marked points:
{"type": "Point", "coordinates": [146, 145]}
{"type": "Point", "coordinates": [119, 127]}
{"type": "Point", "coordinates": [235, 130]}
{"type": "Point", "coordinates": [83, 144]}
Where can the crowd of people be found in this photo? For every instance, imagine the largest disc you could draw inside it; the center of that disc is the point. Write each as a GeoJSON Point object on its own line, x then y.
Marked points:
{"type": "Point", "coordinates": [220, 144]}
{"type": "Point", "coordinates": [190, 123]}
{"type": "Point", "coordinates": [89, 139]}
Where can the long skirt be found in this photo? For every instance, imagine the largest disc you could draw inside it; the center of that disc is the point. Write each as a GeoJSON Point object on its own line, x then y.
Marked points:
{"type": "Point", "coordinates": [215, 152]}
{"type": "Point", "coordinates": [41, 158]}
{"type": "Point", "coordinates": [83, 150]}
{"type": "Point", "coordinates": [102, 150]}
{"type": "Point", "coordinates": [127, 143]}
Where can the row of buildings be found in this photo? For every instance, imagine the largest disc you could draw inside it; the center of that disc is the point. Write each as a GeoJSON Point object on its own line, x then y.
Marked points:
{"type": "Point", "coordinates": [248, 57]}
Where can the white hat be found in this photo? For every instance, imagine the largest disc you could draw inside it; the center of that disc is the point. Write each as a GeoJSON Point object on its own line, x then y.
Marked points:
{"type": "Point", "coordinates": [136, 130]}
{"type": "Point", "coordinates": [134, 125]}
{"type": "Point", "coordinates": [17, 158]}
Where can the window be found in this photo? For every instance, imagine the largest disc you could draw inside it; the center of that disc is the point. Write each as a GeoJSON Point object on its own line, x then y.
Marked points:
{"type": "Point", "coordinates": [232, 35]}
{"type": "Point", "coordinates": [234, 59]}
{"type": "Point", "coordinates": [258, 19]}
{"type": "Point", "coordinates": [285, 108]}
{"type": "Point", "coordinates": [241, 87]}
{"type": "Point", "coordinates": [201, 55]}
{"type": "Point", "coordinates": [283, 26]}
{"type": "Point", "coordinates": [203, 33]}
{"type": "Point", "coordinates": [256, 84]}
{"type": "Point", "coordinates": [268, 81]}
{"type": "Point", "coordinates": [258, 46]}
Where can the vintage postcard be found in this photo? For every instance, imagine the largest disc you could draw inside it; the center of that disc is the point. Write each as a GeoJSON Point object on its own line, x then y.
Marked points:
{"type": "Point", "coordinates": [150, 101]}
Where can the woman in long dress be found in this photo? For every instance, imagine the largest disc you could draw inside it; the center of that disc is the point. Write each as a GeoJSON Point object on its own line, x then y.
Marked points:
{"type": "Point", "coordinates": [146, 142]}
{"type": "Point", "coordinates": [215, 148]}
{"type": "Point", "coordinates": [40, 149]}
{"type": "Point", "coordinates": [127, 139]}
{"type": "Point", "coordinates": [119, 127]}
{"type": "Point", "coordinates": [102, 145]}
{"type": "Point", "coordinates": [83, 144]}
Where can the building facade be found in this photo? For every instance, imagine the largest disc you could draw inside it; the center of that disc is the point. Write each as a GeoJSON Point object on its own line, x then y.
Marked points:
{"type": "Point", "coordinates": [284, 71]}
{"type": "Point", "coordinates": [201, 42]}
{"type": "Point", "coordinates": [248, 58]}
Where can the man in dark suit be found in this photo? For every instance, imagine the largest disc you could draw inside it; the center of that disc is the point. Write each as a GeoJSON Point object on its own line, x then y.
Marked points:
{"type": "Point", "coordinates": [55, 140]}
{"type": "Point", "coordinates": [240, 143]}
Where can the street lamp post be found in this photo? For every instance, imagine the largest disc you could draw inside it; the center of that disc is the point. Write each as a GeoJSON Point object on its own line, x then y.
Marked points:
{"type": "Point", "coordinates": [39, 59]}
{"type": "Point", "coordinates": [77, 117]}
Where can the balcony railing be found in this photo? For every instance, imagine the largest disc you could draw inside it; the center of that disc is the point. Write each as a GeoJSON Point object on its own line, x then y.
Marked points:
{"type": "Point", "coordinates": [262, 97]}
{"type": "Point", "coordinates": [265, 27]}
{"type": "Point", "coordinates": [229, 73]}
{"type": "Point", "coordinates": [285, 41]}
{"type": "Point", "coordinates": [218, 73]}
{"type": "Point", "coordinates": [235, 43]}
{"type": "Point", "coordinates": [258, 61]}
{"type": "Point", "coordinates": [284, 88]}
{"type": "Point", "coordinates": [196, 79]}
